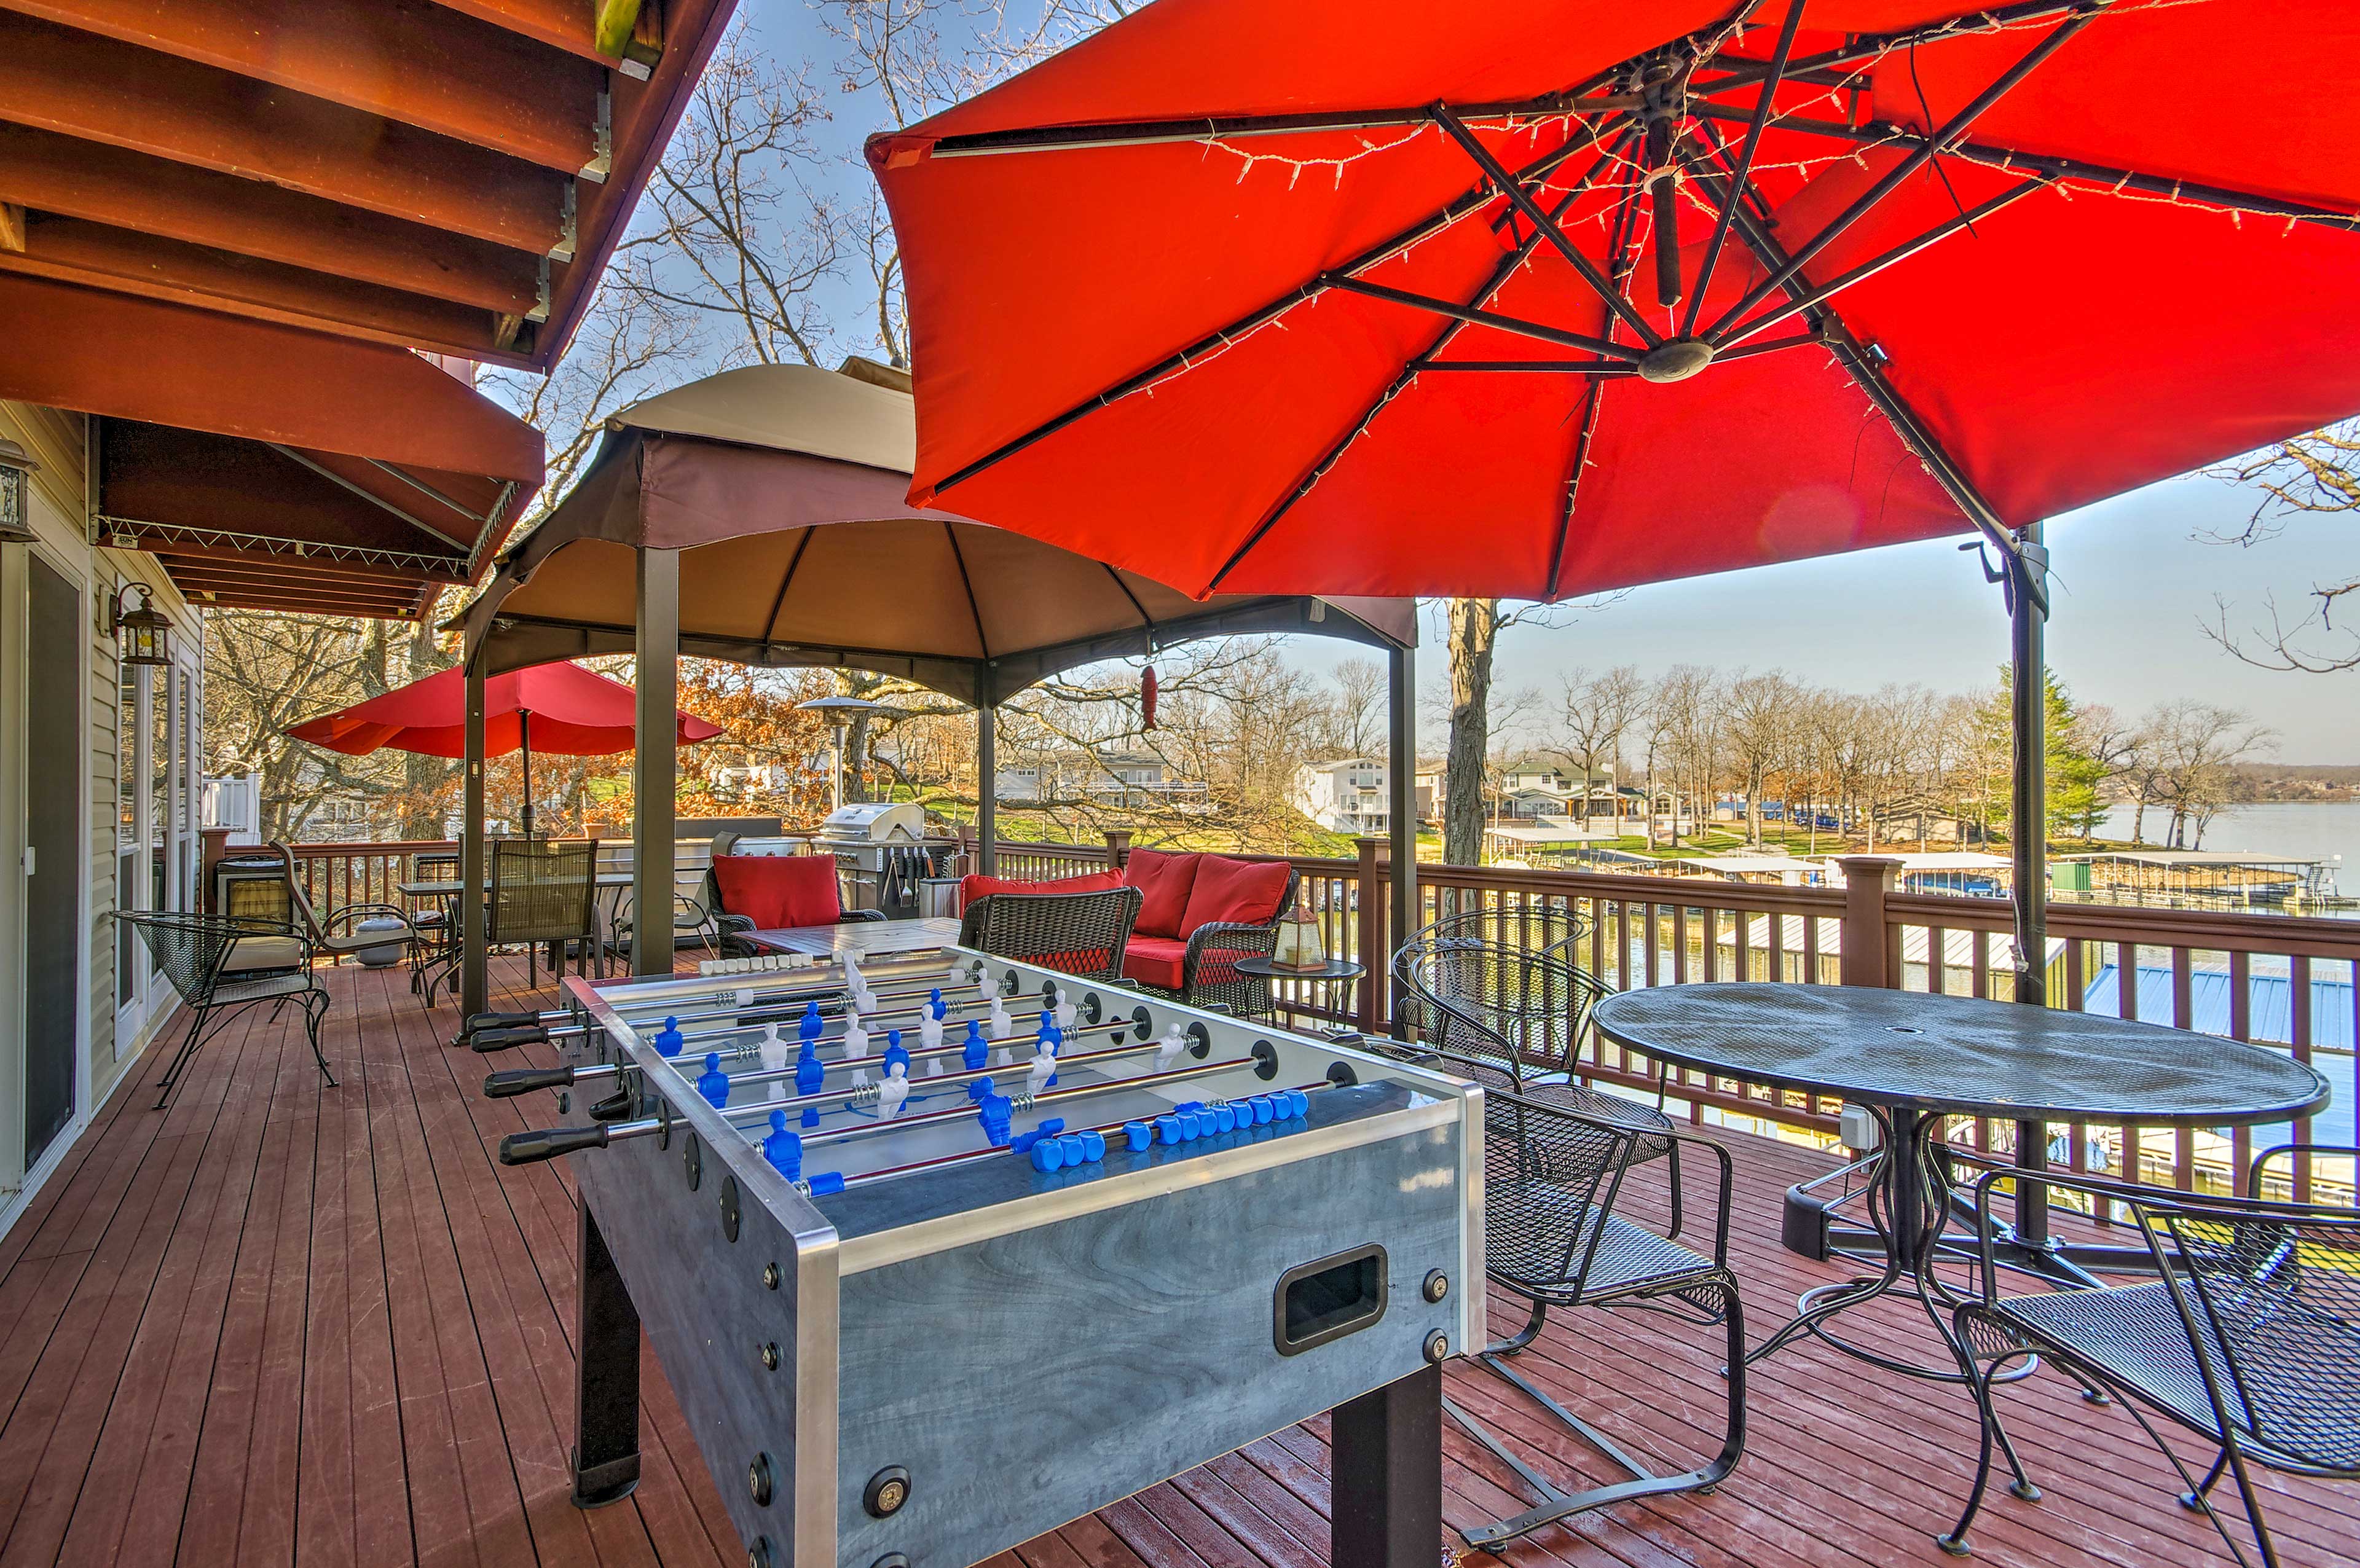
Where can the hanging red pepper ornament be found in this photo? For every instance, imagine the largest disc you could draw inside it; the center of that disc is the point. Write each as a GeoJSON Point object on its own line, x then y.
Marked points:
{"type": "Point", "coordinates": [1147, 696]}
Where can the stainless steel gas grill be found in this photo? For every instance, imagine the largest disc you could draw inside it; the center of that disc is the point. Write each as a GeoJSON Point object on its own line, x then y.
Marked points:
{"type": "Point", "coordinates": [944, 1254]}
{"type": "Point", "coordinates": [882, 852]}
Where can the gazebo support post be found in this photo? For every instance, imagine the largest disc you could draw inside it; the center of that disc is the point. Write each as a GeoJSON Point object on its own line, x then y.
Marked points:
{"type": "Point", "coordinates": [987, 774]}
{"type": "Point", "coordinates": [1401, 762]}
{"type": "Point", "coordinates": [655, 768]}
{"type": "Point", "coordinates": [472, 957]}
{"type": "Point", "coordinates": [2028, 823]}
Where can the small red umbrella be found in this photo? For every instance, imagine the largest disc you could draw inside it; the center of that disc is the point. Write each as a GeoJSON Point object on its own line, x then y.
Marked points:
{"type": "Point", "coordinates": [560, 708]}
{"type": "Point", "coordinates": [1394, 297]}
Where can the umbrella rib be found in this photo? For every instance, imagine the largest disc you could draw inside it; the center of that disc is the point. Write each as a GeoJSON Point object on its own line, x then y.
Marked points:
{"type": "Point", "coordinates": [1601, 367]}
{"type": "Point", "coordinates": [1919, 157]}
{"type": "Point", "coordinates": [1425, 228]}
{"type": "Point", "coordinates": [1744, 165]}
{"type": "Point", "coordinates": [2104, 177]}
{"type": "Point", "coordinates": [1624, 256]}
{"type": "Point", "coordinates": [1408, 373]}
{"type": "Point", "coordinates": [974, 609]}
{"type": "Point", "coordinates": [1797, 304]}
{"type": "Point", "coordinates": [1146, 621]}
{"type": "Point", "coordinates": [1523, 201]}
{"type": "Point", "coordinates": [1874, 47]}
{"type": "Point", "coordinates": [1863, 369]}
{"type": "Point", "coordinates": [1100, 134]}
{"type": "Point", "coordinates": [1476, 317]}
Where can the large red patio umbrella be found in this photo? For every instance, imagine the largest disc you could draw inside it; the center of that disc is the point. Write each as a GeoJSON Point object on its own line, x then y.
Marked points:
{"type": "Point", "coordinates": [1393, 297]}
{"type": "Point", "coordinates": [560, 708]}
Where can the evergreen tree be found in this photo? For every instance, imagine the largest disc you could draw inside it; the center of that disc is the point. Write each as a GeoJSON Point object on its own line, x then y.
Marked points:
{"type": "Point", "coordinates": [2073, 774]}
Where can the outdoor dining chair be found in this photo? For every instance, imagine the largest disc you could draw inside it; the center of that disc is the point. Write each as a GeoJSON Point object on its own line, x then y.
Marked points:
{"type": "Point", "coordinates": [199, 956]}
{"type": "Point", "coordinates": [545, 891]}
{"type": "Point", "coordinates": [1082, 934]}
{"type": "Point", "coordinates": [1520, 1011]}
{"type": "Point", "coordinates": [1551, 1177]}
{"type": "Point", "coordinates": [2248, 1336]}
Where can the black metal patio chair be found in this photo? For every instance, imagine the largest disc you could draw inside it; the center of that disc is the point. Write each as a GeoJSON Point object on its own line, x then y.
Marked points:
{"type": "Point", "coordinates": [199, 957]}
{"type": "Point", "coordinates": [262, 884]}
{"type": "Point", "coordinates": [1551, 1177]}
{"type": "Point", "coordinates": [1082, 934]}
{"type": "Point", "coordinates": [1522, 1011]}
{"type": "Point", "coordinates": [2249, 1336]}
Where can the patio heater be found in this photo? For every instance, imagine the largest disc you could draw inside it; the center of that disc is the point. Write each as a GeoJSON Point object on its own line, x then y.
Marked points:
{"type": "Point", "coordinates": [839, 712]}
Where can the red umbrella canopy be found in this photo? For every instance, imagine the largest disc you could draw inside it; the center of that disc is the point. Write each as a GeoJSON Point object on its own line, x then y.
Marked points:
{"type": "Point", "coordinates": [1536, 298]}
{"type": "Point", "coordinates": [575, 712]}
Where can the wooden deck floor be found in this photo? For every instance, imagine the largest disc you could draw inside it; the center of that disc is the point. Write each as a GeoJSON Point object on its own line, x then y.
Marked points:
{"type": "Point", "coordinates": [281, 1321]}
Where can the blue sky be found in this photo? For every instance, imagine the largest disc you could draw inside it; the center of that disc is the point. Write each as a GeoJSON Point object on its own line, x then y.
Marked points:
{"type": "Point", "coordinates": [2136, 579]}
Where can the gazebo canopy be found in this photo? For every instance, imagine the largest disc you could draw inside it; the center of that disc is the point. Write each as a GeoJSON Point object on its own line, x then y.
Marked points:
{"type": "Point", "coordinates": [783, 488]}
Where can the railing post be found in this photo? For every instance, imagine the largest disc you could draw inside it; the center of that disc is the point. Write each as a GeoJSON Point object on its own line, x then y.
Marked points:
{"type": "Point", "coordinates": [1869, 950]}
{"type": "Point", "coordinates": [216, 850]}
{"type": "Point", "coordinates": [1369, 899]}
{"type": "Point", "coordinates": [1117, 841]}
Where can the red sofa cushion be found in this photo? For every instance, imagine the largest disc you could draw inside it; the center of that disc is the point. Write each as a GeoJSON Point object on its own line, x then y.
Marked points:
{"type": "Point", "coordinates": [1154, 961]}
{"type": "Point", "coordinates": [976, 885]}
{"type": "Point", "coordinates": [776, 890]}
{"type": "Point", "coordinates": [1240, 892]}
{"type": "Point", "coordinates": [1164, 882]}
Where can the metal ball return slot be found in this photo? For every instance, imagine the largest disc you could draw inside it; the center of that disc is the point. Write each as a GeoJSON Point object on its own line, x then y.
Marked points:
{"type": "Point", "coordinates": [1317, 1303]}
{"type": "Point", "coordinates": [797, 1175]}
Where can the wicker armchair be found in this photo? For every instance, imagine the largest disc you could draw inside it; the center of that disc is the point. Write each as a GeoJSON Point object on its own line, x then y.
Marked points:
{"type": "Point", "coordinates": [2249, 1336]}
{"type": "Point", "coordinates": [1551, 1177]}
{"type": "Point", "coordinates": [546, 892]}
{"type": "Point", "coordinates": [1081, 934]}
{"type": "Point", "coordinates": [199, 954]}
{"type": "Point", "coordinates": [1208, 975]}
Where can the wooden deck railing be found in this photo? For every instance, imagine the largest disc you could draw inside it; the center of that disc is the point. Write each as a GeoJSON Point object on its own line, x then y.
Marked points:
{"type": "Point", "coordinates": [1652, 930]}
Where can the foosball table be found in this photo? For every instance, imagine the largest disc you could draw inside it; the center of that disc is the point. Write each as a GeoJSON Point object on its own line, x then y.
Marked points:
{"type": "Point", "coordinates": [944, 1253]}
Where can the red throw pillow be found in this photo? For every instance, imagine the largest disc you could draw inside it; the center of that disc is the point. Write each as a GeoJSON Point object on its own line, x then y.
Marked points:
{"type": "Point", "coordinates": [778, 890]}
{"type": "Point", "coordinates": [976, 885]}
{"type": "Point", "coordinates": [1164, 882]}
{"type": "Point", "coordinates": [1234, 892]}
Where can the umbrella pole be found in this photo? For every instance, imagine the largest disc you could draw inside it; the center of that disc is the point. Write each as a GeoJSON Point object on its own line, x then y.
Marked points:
{"type": "Point", "coordinates": [655, 770]}
{"type": "Point", "coordinates": [524, 756]}
{"type": "Point", "coordinates": [2028, 817]}
{"type": "Point", "coordinates": [470, 902]}
{"type": "Point", "coordinates": [1401, 694]}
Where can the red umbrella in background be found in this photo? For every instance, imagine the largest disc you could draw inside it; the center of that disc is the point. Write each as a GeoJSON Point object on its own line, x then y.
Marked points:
{"type": "Point", "coordinates": [1390, 296]}
{"type": "Point", "coordinates": [560, 708]}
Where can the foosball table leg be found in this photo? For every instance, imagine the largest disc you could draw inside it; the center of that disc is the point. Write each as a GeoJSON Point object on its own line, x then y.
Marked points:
{"type": "Point", "coordinates": [1387, 1446]}
{"type": "Point", "coordinates": [607, 1377]}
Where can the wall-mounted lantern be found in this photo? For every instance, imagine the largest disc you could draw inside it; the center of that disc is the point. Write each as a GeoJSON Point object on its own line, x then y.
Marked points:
{"type": "Point", "coordinates": [142, 636]}
{"type": "Point", "coordinates": [16, 510]}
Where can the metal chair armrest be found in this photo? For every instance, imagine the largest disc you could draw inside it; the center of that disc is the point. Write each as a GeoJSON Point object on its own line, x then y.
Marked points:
{"type": "Point", "coordinates": [2254, 1171]}
{"type": "Point", "coordinates": [732, 925]}
{"type": "Point", "coordinates": [1728, 1189]}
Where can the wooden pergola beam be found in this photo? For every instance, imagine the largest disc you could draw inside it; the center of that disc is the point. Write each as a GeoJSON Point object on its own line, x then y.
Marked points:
{"type": "Point", "coordinates": [50, 173]}
{"type": "Point", "coordinates": [624, 34]}
{"type": "Point", "coordinates": [99, 90]}
{"type": "Point", "coordinates": [416, 63]}
{"type": "Point", "coordinates": [320, 590]}
{"type": "Point", "coordinates": [117, 259]}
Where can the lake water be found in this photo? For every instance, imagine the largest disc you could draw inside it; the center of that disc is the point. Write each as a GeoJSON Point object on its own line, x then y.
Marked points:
{"type": "Point", "coordinates": [2325, 829]}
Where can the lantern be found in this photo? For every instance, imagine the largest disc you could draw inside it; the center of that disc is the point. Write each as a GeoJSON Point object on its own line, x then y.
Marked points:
{"type": "Point", "coordinates": [15, 513]}
{"type": "Point", "coordinates": [142, 636]}
{"type": "Point", "coordinates": [1298, 945]}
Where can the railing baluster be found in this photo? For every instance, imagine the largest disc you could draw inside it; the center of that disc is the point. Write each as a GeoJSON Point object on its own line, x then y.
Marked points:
{"type": "Point", "coordinates": [2241, 1027]}
{"type": "Point", "coordinates": [1937, 946]}
{"type": "Point", "coordinates": [2299, 1031]}
{"type": "Point", "coordinates": [2183, 1146]}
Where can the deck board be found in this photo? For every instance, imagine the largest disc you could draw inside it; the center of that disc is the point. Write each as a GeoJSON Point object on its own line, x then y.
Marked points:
{"type": "Point", "coordinates": [279, 1323]}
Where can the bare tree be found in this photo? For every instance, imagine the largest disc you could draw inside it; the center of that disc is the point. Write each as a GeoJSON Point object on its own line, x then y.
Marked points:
{"type": "Point", "coordinates": [2195, 746]}
{"type": "Point", "coordinates": [2313, 473]}
{"type": "Point", "coordinates": [1358, 720]}
{"type": "Point", "coordinates": [1761, 721]}
{"type": "Point", "coordinates": [1597, 709]}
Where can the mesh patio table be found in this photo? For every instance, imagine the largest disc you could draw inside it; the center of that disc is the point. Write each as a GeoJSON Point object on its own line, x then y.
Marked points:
{"type": "Point", "coordinates": [1912, 1058]}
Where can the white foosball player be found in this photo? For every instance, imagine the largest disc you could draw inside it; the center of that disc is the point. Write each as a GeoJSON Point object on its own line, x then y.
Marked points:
{"type": "Point", "coordinates": [775, 1053]}
{"type": "Point", "coordinates": [893, 1091]}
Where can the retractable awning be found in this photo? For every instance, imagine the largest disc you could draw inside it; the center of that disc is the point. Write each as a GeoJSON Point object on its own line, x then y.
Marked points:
{"type": "Point", "coordinates": [268, 466]}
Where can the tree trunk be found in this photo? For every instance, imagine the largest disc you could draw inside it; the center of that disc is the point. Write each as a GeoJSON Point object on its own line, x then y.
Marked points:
{"type": "Point", "coordinates": [1474, 633]}
{"type": "Point", "coordinates": [2138, 819]}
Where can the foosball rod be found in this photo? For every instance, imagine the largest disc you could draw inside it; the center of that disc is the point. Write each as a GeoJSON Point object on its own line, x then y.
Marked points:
{"type": "Point", "coordinates": [957, 1010]}
{"type": "Point", "coordinates": [813, 988]}
{"type": "Point", "coordinates": [524, 1080]}
{"type": "Point", "coordinates": [973, 1156]}
{"type": "Point", "coordinates": [525, 1148]}
{"type": "Point", "coordinates": [784, 1005]}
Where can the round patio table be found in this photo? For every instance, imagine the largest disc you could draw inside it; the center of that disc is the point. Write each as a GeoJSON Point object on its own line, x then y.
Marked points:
{"type": "Point", "coordinates": [1912, 1058]}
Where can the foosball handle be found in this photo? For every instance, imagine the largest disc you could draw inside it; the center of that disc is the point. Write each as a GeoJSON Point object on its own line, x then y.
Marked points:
{"type": "Point", "coordinates": [525, 1080]}
{"type": "Point", "coordinates": [488, 1041]}
{"type": "Point", "coordinates": [478, 1022]}
{"type": "Point", "coordinates": [531, 1147]}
